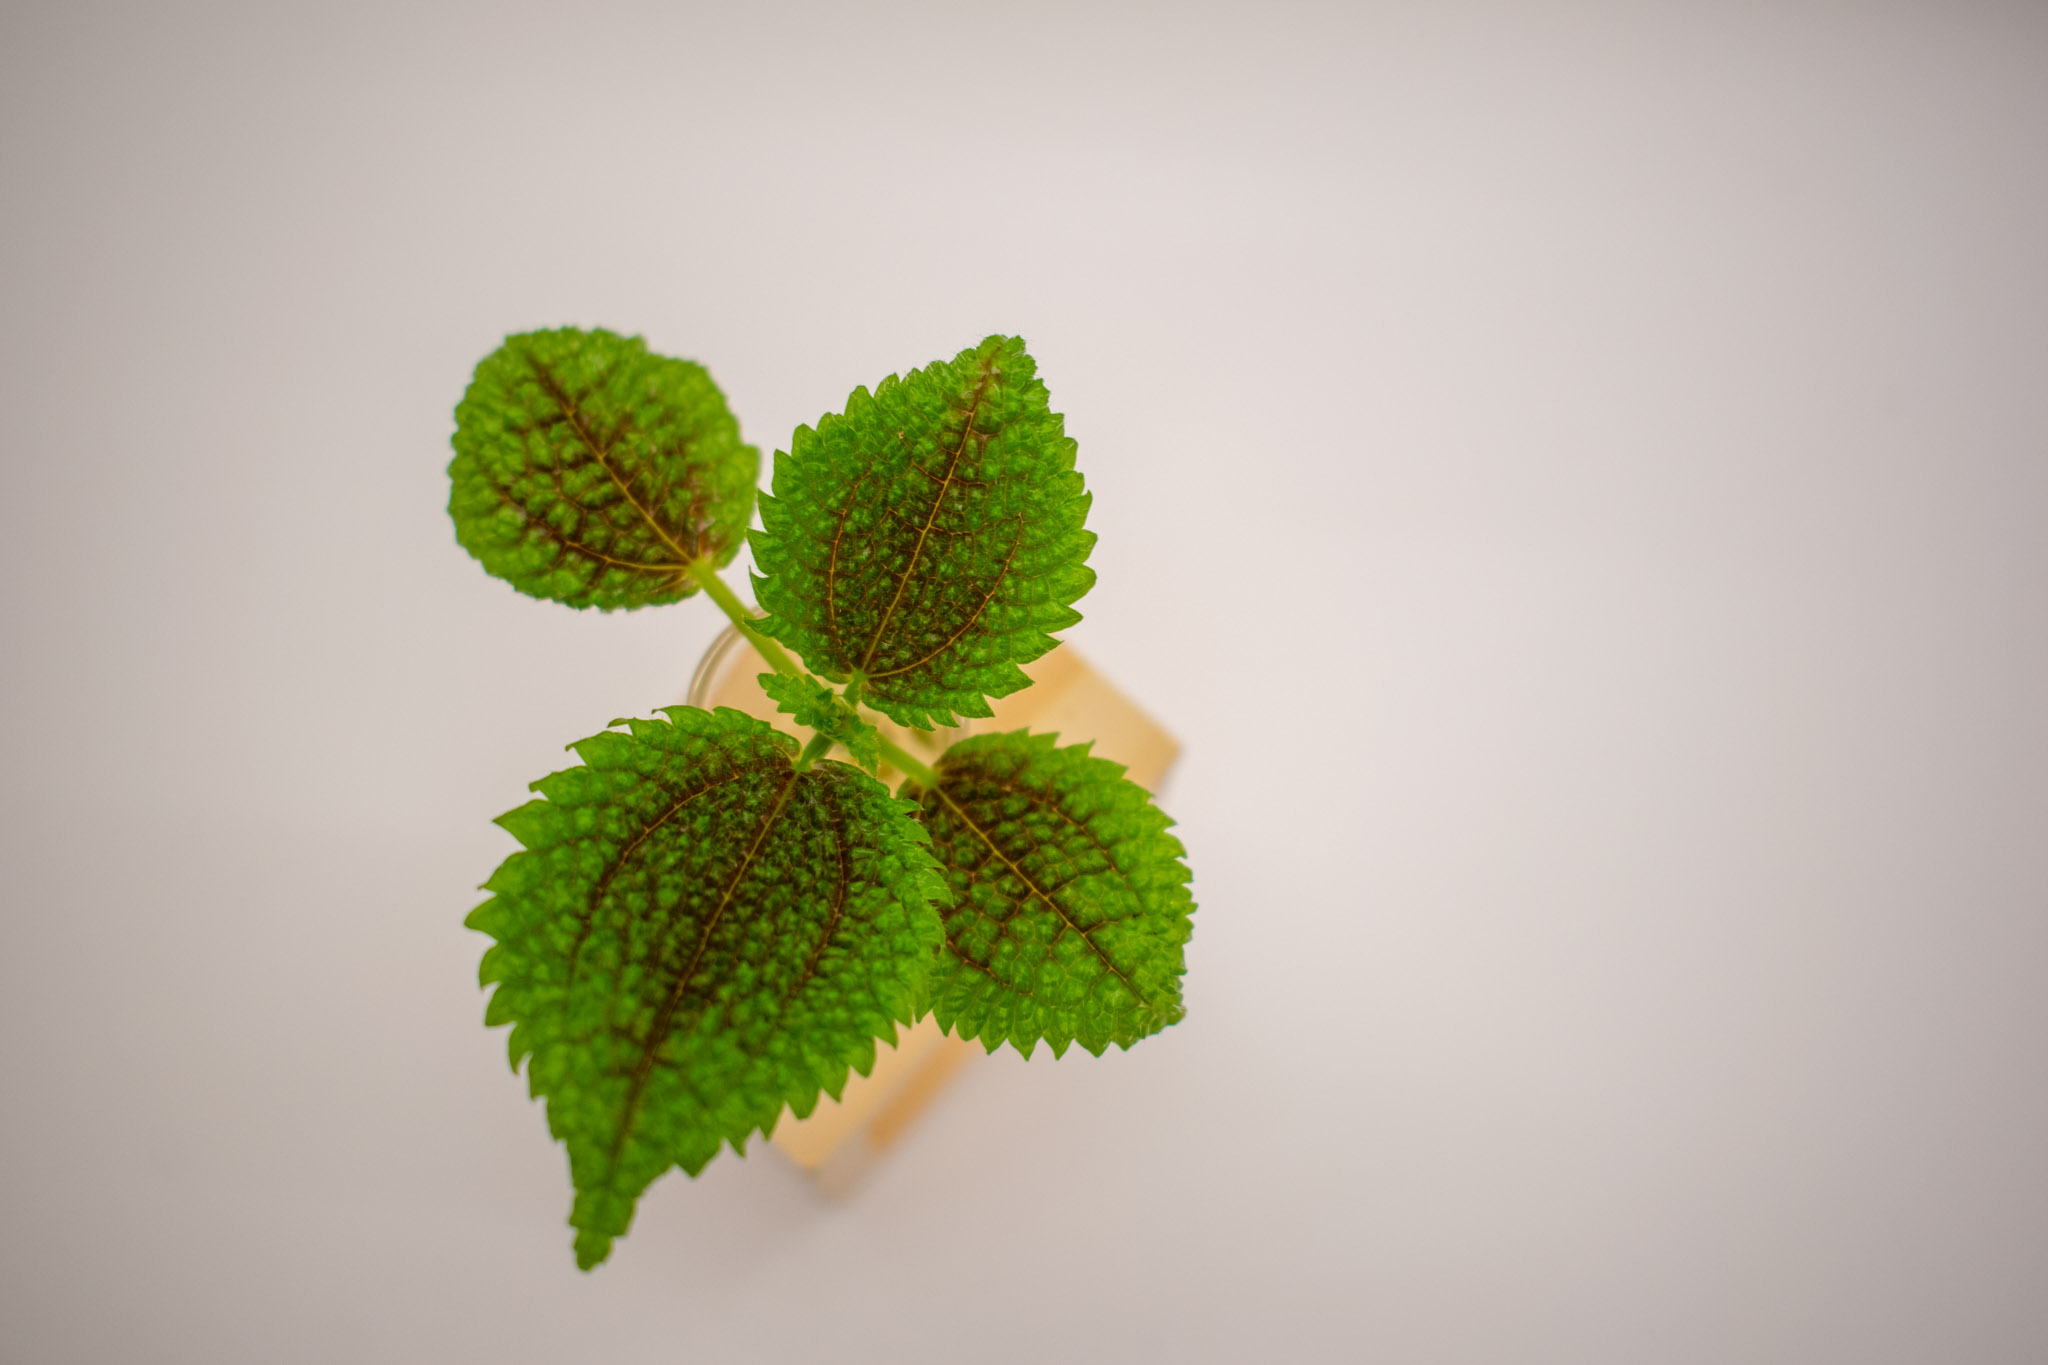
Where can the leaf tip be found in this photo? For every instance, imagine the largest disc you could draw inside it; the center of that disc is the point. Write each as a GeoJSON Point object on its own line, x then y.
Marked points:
{"type": "Point", "coordinates": [592, 1248]}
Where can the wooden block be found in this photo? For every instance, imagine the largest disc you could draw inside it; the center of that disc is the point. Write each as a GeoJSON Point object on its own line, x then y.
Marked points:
{"type": "Point", "coordinates": [842, 1139]}
{"type": "Point", "coordinates": [1072, 700]}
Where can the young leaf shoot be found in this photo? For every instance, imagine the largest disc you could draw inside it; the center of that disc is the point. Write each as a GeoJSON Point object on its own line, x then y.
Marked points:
{"type": "Point", "coordinates": [827, 714]}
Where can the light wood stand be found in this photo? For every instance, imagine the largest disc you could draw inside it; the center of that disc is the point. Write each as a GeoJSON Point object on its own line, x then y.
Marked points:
{"type": "Point", "coordinates": [841, 1140]}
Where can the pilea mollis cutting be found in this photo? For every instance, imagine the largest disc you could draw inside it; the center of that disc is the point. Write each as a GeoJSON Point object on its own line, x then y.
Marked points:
{"type": "Point", "coordinates": [709, 922]}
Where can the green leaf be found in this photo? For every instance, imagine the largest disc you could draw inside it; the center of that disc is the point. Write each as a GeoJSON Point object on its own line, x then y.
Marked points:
{"type": "Point", "coordinates": [695, 935]}
{"type": "Point", "coordinates": [1070, 900]}
{"type": "Point", "coordinates": [928, 538]}
{"type": "Point", "coordinates": [818, 708]}
{"type": "Point", "coordinates": [590, 470]}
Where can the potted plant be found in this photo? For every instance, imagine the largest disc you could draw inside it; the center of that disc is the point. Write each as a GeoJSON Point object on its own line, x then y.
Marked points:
{"type": "Point", "coordinates": [709, 921]}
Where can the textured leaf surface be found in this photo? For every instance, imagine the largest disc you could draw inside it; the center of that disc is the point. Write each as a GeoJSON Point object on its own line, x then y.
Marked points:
{"type": "Point", "coordinates": [1070, 900]}
{"type": "Point", "coordinates": [818, 708]}
{"type": "Point", "coordinates": [590, 470]}
{"type": "Point", "coordinates": [694, 935]}
{"type": "Point", "coordinates": [928, 537]}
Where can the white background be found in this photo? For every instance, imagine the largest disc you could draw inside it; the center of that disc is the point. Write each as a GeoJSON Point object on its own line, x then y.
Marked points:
{"type": "Point", "coordinates": [1574, 477]}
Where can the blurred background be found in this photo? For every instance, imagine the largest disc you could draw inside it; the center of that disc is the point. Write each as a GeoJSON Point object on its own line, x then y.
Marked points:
{"type": "Point", "coordinates": [1573, 476]}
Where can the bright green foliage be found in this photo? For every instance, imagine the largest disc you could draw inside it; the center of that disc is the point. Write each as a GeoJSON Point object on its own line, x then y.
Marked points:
{"type": "Point", "coordinates": [927, 538]}
{"type": "Point", "coordinates": [1070, 900]}
{"type": "Point", "coordinates": [695, 935]}
{"type": "Point", "coordinates": [590, 470]}
{"type": "Point", "coordinates": [822, 711]}
{"type": "Point", "coordinates": [703, 925]}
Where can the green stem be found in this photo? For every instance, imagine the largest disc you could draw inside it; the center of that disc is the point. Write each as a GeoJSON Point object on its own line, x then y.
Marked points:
{"type": "Point", "coordinates": [912, 768]}
{"type": "Point", "coordinates": [705, 575]}
{"type": "Point", "coordinates": [819, 746]}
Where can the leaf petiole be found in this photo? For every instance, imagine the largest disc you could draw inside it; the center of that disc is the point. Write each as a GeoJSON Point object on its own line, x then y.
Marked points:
{"type": "Point", "coordinates": [820, 745]}
{"type": "Point", "coordinates": [901, 760]}
{"type": "Point", "coordinates": [704, 574]}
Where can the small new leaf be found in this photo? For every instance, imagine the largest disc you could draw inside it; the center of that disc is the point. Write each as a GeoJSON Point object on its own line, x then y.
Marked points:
{"type": "Point", "coordinates": [1070, 900]}
{"type": "Point", "coordinates": [590, 470]}
{"type": "Point", "coordinates": [818, 708]}
{"type": "Point", "coordinates": [695, 935]}
{"type": "Point", "coordinates": [928, 538]}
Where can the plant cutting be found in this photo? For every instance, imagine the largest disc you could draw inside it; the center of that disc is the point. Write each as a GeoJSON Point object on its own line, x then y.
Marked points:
{"type": "Point", "coordinates": [710, 922]}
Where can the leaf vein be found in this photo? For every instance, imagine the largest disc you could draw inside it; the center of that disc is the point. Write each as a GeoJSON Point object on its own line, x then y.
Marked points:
{"type": "Point", "coordinates": [601, 452]}
{"type": "Point", "coordinates": [938, 501]}
{"type": "Point", "coordinates": [1087, 935]}
{"type": "Point", "coordinates": [611, 872]}
{"type": "Point", "coordinates": [658, 1033]}
{"type": "Point", "coordinates": [968, 624]}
